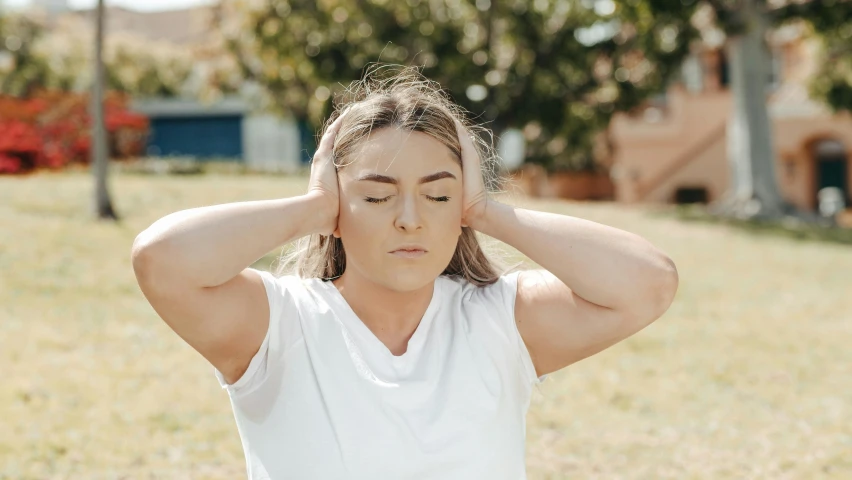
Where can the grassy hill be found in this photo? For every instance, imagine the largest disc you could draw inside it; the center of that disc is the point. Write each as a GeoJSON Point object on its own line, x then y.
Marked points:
{"type": "Point", "coordinates": [749, 374]}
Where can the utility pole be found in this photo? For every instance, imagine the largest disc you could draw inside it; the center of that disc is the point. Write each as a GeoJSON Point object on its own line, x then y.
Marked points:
{"type": "Point", "coordinates": [99, 153]}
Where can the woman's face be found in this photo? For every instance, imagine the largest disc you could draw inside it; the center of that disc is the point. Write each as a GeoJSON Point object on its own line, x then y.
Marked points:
{"type": "Point", "coordinates": [400, 209]}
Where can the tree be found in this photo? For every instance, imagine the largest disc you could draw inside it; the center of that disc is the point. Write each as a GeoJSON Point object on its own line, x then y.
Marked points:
{"type": "Point", "coordinates": [833, 82]}
{"type": "Point", "coordinates": [557, 69]}
{"type": "Point", "coordinates": [33, 58]}
{"type": "Point", "coordinates": [103, 203]}
{"type": "Point", "coordinates": [754, 192]}
{"type": "Point", "coordinates": [21, 69]}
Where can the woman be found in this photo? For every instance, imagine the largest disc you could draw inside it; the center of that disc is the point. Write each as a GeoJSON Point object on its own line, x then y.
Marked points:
{"type": "Point", "coordinates": [397, 350]}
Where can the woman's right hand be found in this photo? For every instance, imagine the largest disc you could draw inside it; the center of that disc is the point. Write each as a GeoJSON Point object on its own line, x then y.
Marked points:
{"type": "Point", "coordinates": [323, 182]}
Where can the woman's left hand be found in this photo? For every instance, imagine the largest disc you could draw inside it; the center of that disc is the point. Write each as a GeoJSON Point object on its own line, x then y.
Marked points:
{"type": "Point", "coordinates": [474, 197]}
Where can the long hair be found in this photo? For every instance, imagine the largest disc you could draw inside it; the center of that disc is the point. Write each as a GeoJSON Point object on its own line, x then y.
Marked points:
{"type": "Point", "coordinates": [398, 97]}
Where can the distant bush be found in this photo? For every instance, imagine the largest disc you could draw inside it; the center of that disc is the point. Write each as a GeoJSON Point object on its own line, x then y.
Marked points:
{"type": "Point", "coordinates": [52, 129]}
{"type": "Point", "coordinates": [164, 166]}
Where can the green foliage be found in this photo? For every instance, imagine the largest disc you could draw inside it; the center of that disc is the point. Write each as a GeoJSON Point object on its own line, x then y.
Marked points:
{"type": "Point", "coordinates": [135, 68]}
{"type": "Point", "coordinates": [558, 69]}
{"type": "Point", "coordinates": [831, 20]}
{"type": "Point", "coordinates": [833, 82]}
{"type": "Point", "coordinates": [21, 70]}
{"type": "Point", "coordinates": [33, 58]}
{"type": "Point", "coordinates": [824, 15]}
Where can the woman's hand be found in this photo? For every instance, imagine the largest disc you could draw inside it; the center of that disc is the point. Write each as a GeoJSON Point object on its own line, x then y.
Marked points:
{"type": "Point", "coordinates": [323, 182]}
{"type": "Point", "coordinates": [474, 196]}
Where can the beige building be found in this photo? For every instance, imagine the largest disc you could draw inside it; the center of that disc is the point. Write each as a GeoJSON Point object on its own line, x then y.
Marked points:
{"type": "Point", "coordinates": [675, 149]}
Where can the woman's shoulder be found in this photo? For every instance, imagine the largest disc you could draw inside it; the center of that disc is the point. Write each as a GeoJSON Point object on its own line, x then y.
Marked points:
{"type": "Point", "coordinates": [287, 278]}
{"type": "Point", "coordinates": [276, 279]}
{"type": "Point", "coordinates": [462, 282]}
{"type": "Point", "coordinates": [495, 289]}
{"type": "Point", "coordinates": [290, 285]}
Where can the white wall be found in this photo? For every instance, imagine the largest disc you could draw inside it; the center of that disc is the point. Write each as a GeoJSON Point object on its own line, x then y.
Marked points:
{"type": "Point", "coordinates": [271, 143]}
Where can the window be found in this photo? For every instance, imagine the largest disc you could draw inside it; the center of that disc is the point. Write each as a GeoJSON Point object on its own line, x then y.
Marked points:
{"type": "Point", "coordinates": [776, 68]}
{"type": "Point", "coordinates": [692, 72]}
{"type": "Point", "coordinates": [685, 195]}
{"type": "Point", "coordinates": [724, 70]}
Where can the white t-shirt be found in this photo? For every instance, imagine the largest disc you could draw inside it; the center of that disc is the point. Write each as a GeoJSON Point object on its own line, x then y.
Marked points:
{"type": "Point", "coordinates": [324, 398]}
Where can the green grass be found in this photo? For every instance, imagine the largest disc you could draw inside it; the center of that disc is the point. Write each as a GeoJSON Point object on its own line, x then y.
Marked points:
{"type": "Point", "coordinates": [749, 374]}
{"type": "Point", "coordinates": [795, 229]}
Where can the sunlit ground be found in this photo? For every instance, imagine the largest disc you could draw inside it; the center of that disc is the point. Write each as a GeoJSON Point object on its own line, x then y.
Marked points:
{"type": "Point", "coordinates": [749, 374]}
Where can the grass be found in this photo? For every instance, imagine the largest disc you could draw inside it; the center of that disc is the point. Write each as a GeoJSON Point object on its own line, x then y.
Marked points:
{"type": "Point", "coordinates": [749, 374]}
{"type": "Point", "coordinates": [791, 229]}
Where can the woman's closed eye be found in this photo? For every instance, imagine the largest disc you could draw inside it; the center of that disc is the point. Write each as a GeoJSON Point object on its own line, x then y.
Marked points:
{"type": "Point", "coordinates": [385, 199]}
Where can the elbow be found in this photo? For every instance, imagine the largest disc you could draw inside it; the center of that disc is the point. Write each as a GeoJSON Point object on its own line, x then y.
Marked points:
{"type": "Point", "coordinates": [146, 256]}
{"type": "Point", "coordinates": [140, 258]}
{"type": "Point", "coordinates": [659, 288]}
{"type": "Point", "coordinates": [665, 287]}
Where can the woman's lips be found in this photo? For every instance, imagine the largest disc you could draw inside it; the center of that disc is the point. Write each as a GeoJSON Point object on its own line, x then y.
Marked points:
{"type": "Point", "coordinates": [409, 253]}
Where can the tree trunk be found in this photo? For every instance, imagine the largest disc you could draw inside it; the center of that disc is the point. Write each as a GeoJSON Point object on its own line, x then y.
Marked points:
{"type": "Point", "coordinates": [99, 154]}
{"type": "Point", "coordinates": [753, 192]}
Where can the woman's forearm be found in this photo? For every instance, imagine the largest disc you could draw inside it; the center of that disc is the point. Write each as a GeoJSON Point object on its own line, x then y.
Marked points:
{"type": "Point", "coordinates": [208, 246]}
{"type": "Point", "coordinates": [603, 265]}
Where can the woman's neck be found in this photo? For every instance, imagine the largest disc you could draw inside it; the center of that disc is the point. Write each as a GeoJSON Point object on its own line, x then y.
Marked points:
{"type": "Point", "coordinates": [392, 315]}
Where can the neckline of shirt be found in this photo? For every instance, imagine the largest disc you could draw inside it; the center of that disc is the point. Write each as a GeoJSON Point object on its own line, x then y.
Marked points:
{"type": "Point", "coordinates": [351, 320]}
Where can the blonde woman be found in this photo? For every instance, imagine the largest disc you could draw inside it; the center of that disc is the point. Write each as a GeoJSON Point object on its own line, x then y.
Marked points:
{"type": "Point", "coordinates": [393, 348]}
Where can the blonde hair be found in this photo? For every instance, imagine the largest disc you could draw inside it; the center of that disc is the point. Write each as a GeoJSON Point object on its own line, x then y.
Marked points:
{"type": "Point", "coordinates": [398, 97]}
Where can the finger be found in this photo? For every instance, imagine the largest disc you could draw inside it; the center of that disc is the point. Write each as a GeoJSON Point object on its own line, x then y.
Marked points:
{"type": "Point", "coordinates": [466, 142]}
{"type": "Point", "coordinates": [327, 141]}
{"type": "Point", "coordinates": [471, 162]}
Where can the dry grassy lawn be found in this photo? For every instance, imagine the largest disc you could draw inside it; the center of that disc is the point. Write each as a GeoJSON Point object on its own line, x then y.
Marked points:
{"type": "Point", "coordinates": [749, 375]}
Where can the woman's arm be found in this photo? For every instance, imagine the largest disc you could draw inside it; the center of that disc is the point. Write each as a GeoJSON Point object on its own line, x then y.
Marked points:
{"type": "Point", "coordinates": [600, 284]}
{"type": "Point", "coordinates": [192, 265]}
{"type": "Point", "coordinates": [208, 246]}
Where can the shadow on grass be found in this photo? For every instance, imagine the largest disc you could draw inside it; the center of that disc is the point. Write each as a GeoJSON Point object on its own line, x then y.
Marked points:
{"type": "Point", "coordinates": [794, 229]}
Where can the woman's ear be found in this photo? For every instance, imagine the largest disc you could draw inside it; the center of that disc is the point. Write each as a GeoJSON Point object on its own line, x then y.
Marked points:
{"type": "Point", "coordinates": [336, 232]}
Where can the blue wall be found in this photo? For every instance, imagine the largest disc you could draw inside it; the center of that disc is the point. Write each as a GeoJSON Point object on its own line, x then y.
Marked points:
{"type": "Point", "coordinates": [309, 141]}
{"type": "Point", "coordinates": [204, 137]}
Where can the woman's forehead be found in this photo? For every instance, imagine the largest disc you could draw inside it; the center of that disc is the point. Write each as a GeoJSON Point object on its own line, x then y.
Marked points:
{"type": "Point", "coordinates": [399, 153]}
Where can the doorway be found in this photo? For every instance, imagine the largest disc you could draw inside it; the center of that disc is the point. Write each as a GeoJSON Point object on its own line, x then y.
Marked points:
{"type": "Point", "coordinates": [684, 195]}
{"type": "Point", "coordinates": [831, 167]}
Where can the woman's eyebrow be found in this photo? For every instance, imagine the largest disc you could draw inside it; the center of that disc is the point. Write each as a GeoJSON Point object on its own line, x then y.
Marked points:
{"type": "Point", "coordinates": [436, 176]}
{"type": "Point", "coordinates": [375, 177]}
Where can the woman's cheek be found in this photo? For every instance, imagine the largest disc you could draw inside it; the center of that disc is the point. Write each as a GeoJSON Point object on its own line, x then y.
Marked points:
{"type": "Point", "coordinates": [365, 220]}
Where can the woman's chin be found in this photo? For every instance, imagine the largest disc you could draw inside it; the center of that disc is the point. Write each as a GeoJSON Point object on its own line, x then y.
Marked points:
{"type": "Point", "coordinates": [410, 278]}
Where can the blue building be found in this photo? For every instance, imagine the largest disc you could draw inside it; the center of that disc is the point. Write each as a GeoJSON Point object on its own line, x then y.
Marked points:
{"type": "Point", "coordinates": [224, 130]}
{"type": "Point", "coordinates": [184, 127]}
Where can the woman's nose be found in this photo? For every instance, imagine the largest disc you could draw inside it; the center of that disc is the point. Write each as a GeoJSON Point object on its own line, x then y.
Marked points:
{"type": "Point", "coordinates": [408, 217]}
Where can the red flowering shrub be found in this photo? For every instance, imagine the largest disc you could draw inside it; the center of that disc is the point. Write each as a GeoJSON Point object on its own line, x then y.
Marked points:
{"type": "Point", "coordinates": [9, 164]}
{"type": "Point", "coordinates": [52, 129]}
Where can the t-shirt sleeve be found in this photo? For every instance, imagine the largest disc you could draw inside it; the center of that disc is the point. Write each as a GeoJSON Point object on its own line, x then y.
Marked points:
{"type": "Point", "coordinates": [500, 296]}
{"type": "Point", "coordinates": [284, 329]}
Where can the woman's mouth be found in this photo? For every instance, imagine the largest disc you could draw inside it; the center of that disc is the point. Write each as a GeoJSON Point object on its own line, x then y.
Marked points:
{"type": "Point", "coordinates": [409, 252]}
